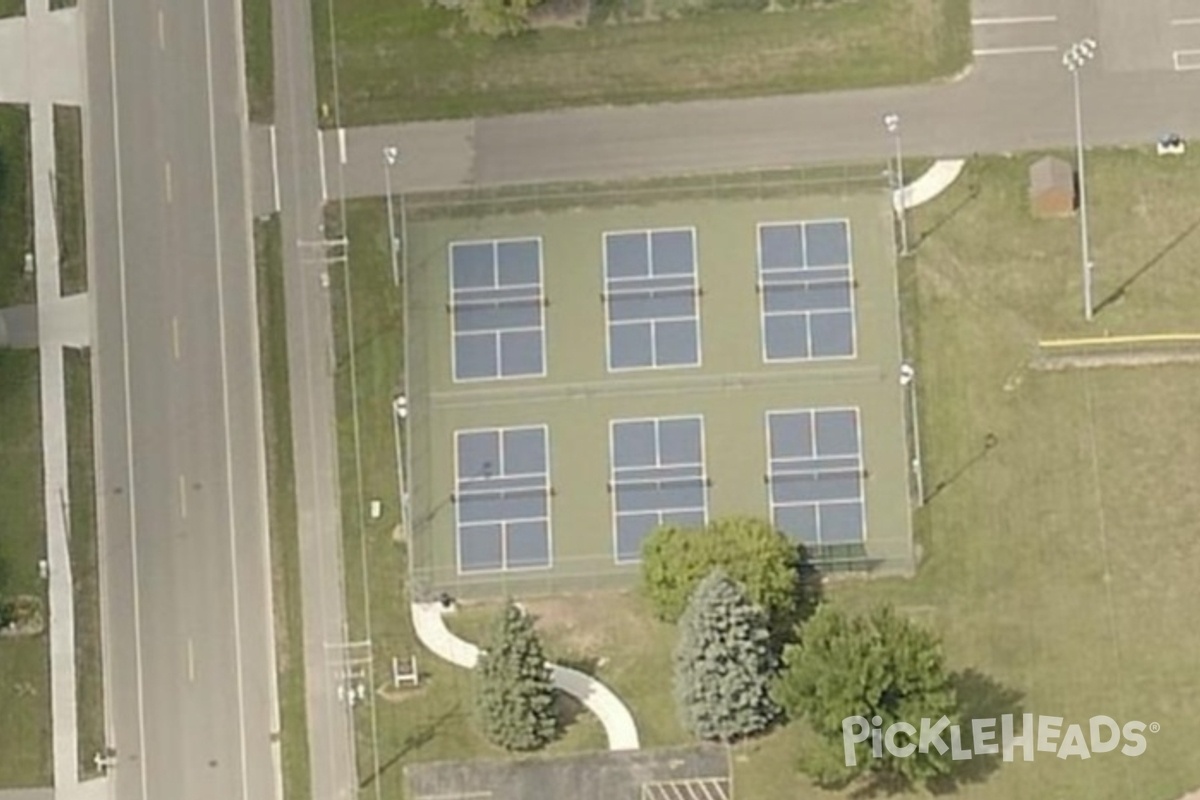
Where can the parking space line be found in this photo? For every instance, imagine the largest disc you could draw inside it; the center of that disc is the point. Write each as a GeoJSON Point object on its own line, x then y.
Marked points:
{"type": "Point", "coordinates": [1012, 20]}
{"type": "Point", "coordinates": [1186, 60]}
{"type": "Point", "coordinates": [1013, 51]}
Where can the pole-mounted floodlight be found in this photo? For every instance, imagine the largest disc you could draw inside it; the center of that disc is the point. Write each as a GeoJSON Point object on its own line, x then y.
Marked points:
{"type": "Point", "coordinates": [390, 156]}
{"type": "Point", "coordinates": [891, 123]}
{"type": "Point", "coordinates": [908, 379]}
{"type": "Point", "coordinates": [1074, 59]}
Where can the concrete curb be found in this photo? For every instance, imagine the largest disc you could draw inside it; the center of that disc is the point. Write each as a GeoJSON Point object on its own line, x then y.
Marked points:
{"type": "Point", "coordinates": [430, 626]}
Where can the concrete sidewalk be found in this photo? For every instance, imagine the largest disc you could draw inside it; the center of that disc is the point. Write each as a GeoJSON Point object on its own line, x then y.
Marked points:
{"type": "Point", "coordinates": [430, 626]}
{"type": "Point", "coordinates": [40, 66]}
{"type": "Point", "coordinates": [26, 794]}
{"type": "Point", "coordinates": [929, 185]}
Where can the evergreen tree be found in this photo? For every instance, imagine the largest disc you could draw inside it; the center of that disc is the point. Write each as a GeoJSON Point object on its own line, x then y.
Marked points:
{"type": "Point", "coordinates": [515, 693]}
{"type": "Point", "coordinates": [878, 664]}
{"type": "Point", "coordinates": [723, 663]}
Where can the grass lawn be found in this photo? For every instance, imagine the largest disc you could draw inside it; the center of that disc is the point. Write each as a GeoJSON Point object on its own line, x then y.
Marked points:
{"type": "Point", "coordinates": [16, 204]}
{"type": "Point", "coordinates": [281, 491]}
{"type": "Point", "coordinates": [12, 8]}
{"type": "Point", "coordinates": [1059, 565]}
{"type": "Point", "coordinates": [25, 661]}
{"type": "Point", "coordinates": [85, 567]}
{"type": "Point", "coordinates": [592, 633]}
{"type": "Point", "coordinates": [399, 60]}
{"type": "Point", "coordinates": [1056, 564]}
{"type": "Point", "coordinates": [72, 226]}
{"type": "Point", "coordinates": [260, 61]}
{"type": "Point", "coordinates": [432, 722]}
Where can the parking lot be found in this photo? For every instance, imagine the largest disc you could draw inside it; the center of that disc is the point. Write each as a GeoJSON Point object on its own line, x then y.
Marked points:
{"type": "Point", "coordinates": [1028, 36]}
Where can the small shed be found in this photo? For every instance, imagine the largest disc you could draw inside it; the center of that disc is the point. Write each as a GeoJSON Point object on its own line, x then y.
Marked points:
{"type": "Point", "coordinates": [1051, 187]}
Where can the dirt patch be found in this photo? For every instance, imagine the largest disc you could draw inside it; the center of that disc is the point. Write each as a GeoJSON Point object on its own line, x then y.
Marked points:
{"type": "Point", "coordinates": [560, 14]}
{"type": "Point", "coordinates": [21, 616]}
{"type": "Point", "coordinates": [584, 624]}
{"type": "Point", "coordinates": [1149, 358]}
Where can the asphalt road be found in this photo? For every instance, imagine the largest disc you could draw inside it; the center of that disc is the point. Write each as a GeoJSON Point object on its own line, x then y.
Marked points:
{"type": "Point", "coordinates": [182, 492]}
{"type": "Point", "coordinates": [1018, 97]}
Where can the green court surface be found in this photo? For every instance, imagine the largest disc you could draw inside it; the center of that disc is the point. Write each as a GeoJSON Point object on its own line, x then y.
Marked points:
{"type": "Point", "coordinates": [732, 388]}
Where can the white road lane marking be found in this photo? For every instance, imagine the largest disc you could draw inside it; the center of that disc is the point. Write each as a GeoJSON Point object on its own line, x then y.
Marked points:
{"type": "Point", "coordinates": [162, 31]}
{"type": "Point", "coordinates": [143, 758]}
{"type": "Point", "coordinates": [191, 662]}
{"type": "Point", "coordinates": [1190, 21]}
{"type": "Point", "coordinates": [239, 664]}
{"type": "Point", "coordinates": [167, 180]}
{"type": "Point", "coordinates": [1014, 51]}
{"type": "Point", "coordinates": [1012, 20]}
{"type": "Point", "coordinates": [175, 336]}
{"type": "Point", "coordinates": [182, 497]}
{"type": "Point", "coordinates": [342, 145]}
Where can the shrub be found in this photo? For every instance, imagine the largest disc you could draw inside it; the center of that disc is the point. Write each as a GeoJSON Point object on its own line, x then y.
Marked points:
{"type": "Point", "coordinates": [751, 551]}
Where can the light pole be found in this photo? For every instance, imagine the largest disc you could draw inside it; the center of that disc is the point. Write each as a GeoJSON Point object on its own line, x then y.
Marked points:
{"type": "Point", "coordinates": [908, 379]}
{"type": "Point", "coordinates": [390, 156]}
{"type": "Point", "coordinates": [399, 417]}
{"type": "Point", "coordinates": [891, 122]}
{"type": "Point", "coordinates": [1076, 56]}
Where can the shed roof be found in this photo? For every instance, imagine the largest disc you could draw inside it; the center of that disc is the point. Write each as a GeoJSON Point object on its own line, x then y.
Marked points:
{"type": "Point", "coordinates": [1051, 172]}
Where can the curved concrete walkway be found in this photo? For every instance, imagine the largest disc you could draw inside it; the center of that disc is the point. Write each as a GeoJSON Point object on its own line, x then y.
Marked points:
{"type": "Point", "coordinates": [933, 182]}
{"type": "Point", "coordinates": [430, 626]}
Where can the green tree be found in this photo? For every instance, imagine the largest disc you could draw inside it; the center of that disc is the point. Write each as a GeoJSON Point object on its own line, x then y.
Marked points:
{"type": "Point", "coordinates": [878, 664]}
{"type": "Point", "coordinates": [515, 693]}
{"type": "Point", "coordinates": [723, 663]}
{"type": "Point", "coordinates": [750, 550]}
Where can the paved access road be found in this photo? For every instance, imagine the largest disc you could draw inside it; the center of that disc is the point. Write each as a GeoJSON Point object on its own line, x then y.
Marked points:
{"type": "Point", "coordinates": [1017, 97]}
{"type": "Point", "coordinates": [186, 572]}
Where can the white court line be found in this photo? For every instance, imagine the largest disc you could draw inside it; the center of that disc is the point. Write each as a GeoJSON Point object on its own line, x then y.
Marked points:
{"type": "Point", "coordinates": [1190, 60]}
{"type": "Point", "coordinates": [1014, 51]}
{"type": "Point", "coordinates": [275, 168]}
{"type": "Point", "coordinates": [342, 145]}
{"type": "Point", "coordinates": [1189, 21]}
{"type": "Point", "coordinates": [321, 160]}
{"type": "Point", "coordinates": [1012, 20]}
